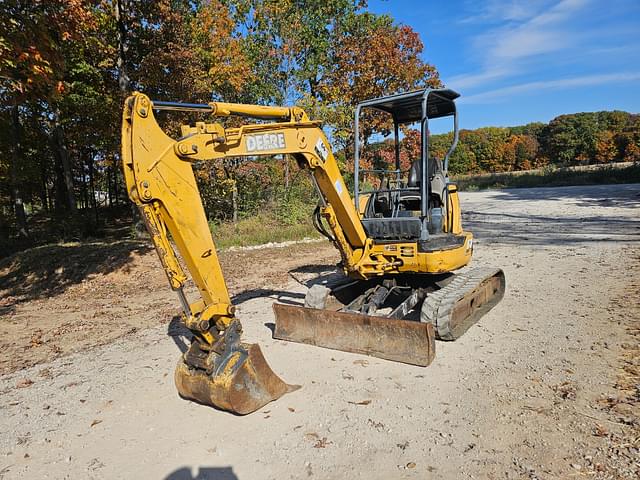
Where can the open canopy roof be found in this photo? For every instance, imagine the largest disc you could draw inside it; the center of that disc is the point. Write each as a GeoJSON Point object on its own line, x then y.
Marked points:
{"type": "Point", "coordinates": [407, 107]}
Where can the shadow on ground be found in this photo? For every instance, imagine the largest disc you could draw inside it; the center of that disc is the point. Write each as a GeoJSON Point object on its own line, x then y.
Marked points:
{"type": "Point", "coordinates": [575, 217]}
{"type": "Point", "coordinates": [180, 334]}
{"type": "Point", "coordinates": [282, 296]}
{"type": "Point", "coordinates": [204, 473]}
{"type": "Point", "coordinates": [324, 274]}
{"type": "Point", "coordinates": [50, 269]}
{"type": "Point", "coordinates": [182, 337]}
{"type": "Point", "coordinates": [626, 196]}
{"type": "Point", "coordinates": [549, 230]}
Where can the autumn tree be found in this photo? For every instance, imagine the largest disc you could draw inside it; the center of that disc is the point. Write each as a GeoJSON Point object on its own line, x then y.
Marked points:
{"type": "Point", "coordinates": [371, 56]}
{"type": "Point", "coordinates": [32, 65]}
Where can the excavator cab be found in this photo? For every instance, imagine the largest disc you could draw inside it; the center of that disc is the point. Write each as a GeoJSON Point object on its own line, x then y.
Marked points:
{"type": "Point", "coordinates": [408, 205]}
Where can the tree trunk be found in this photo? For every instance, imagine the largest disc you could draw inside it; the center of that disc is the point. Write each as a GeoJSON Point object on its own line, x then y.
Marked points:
{"type": "Point", "coordinates": [234, 202]}
{"type": "Point", "coordinates": [63, 155]}
{"type": "Point", "coordinates": [84, 201]}
{"type": "Point", "coordinates": [121, 61]}
{"type": "Point", "coordinates": [115, 185]}
{"type": "Point", "coordinates": [313, 87]}
{"type": "Point", "coordinates": [44, 197]}
{"type": "Point", "coordinates": [59, 187]}
{"type": "Point", "coordinates": [109, 192]}
{"type": "Point", "coordinates": [287, 160]}
{"type": "Point", "coordinates": [16, 161]}
{"type": "Point", "coordinates": [3, 230]}
{"type": "Point", "coordinates": [230, 174]}
{"type": "Point", "coordinates": [92, 189]}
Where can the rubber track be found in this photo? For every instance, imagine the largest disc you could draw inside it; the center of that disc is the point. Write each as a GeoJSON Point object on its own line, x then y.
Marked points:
{"type": "Point", "coordinates": [438, 305]}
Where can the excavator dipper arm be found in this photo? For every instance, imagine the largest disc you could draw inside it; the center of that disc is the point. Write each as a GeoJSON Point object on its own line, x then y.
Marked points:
{"type": "Point", "coordinates": [218, 369]}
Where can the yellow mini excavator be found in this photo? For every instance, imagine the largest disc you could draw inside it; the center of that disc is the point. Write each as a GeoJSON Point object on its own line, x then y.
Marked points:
{"type": "Point", "coordinates": [399, 241]}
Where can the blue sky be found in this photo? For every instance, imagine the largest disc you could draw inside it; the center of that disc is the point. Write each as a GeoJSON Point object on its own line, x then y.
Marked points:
{"type": "Point", "coordinates": [517, 61]}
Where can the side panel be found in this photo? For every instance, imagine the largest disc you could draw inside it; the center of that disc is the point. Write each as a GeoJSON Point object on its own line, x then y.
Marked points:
{"type": "Point", "coordinates": [412, 261]}
{"type": "Point", "coordinates": [454, 217]}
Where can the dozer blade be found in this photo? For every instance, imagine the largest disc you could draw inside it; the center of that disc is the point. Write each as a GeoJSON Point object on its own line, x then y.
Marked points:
{"type": "Point", "coordinates": [463, 301]}
{"type": "Point", "coordinates": [242, 381]}
{"type": "Point", "coordinates": [398, 340]}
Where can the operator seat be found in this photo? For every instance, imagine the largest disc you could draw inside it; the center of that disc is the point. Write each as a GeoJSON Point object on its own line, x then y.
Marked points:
{"type": "Point", "coordinates": [438, 181]}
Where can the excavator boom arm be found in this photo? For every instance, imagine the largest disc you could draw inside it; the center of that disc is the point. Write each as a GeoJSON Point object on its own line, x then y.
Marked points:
{"type": "Point", "coordinates": [164, 189]}
{"type": "Point", "coordinates": [161, 181]}
{"type": "Point", "coordinates": [296, 136]}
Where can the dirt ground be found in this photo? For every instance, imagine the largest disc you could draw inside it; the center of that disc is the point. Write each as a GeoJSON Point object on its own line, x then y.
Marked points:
{"type": "Point", "coordinates": [544, 386]}
{"type": "Point", "coordinates": [65, 298]}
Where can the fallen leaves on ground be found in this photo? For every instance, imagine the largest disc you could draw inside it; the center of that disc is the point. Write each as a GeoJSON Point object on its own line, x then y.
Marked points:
{"type": "Point", "coordinates": [321, 443]}
{"type": "Point", "coordinates": [24, 383]}
{"type": "Point", "coordinates": [566, 390]}
{"type": "Point", "coordinates": [402, 446]}
{"type": "Point", "coordinates": [36, 339]}
{"type": "Point", "coordinates": [600, 431]}
{"type": "Point", "coordinates": [311, 436]}
{"type": "Point", "coordinates": [377, 425]}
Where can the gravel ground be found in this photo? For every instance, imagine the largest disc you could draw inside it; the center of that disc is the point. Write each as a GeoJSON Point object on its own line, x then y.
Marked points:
{"type": "Point", "coordinates": [534, 390]}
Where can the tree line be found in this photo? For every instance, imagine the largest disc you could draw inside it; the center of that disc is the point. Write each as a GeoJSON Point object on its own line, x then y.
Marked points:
{"type": "Point", "coordinates": [66, 67]}
{"type": "Point", "coordinates": [572, 139]}
{"type": "Point", "coordinates": [567, 140]}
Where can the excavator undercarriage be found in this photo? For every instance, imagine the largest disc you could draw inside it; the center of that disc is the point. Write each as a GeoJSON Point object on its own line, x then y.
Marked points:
{"type": "Point", "coordinates": [400, 243]}
{"type": "Point", "coordinates": [401, 316]}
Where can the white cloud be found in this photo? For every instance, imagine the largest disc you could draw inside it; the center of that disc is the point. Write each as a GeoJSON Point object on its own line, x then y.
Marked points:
{"type": "Point", "coordinates": [492, 96]}
{"type": "Point", "coordinates": [543, 33]}
{"type": "Point", "coordinates": [504, 50]}
{"type": "Point", "coordinates": [462, 82]}
{"type": "Point", "coordinates": [504, 10]}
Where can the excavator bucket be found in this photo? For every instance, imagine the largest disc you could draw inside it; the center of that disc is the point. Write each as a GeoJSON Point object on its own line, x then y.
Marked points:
{"type": "Point", "coordinates": [392, 339]}
{"type": "Point", "coordinates": [243, 385]}
{"type": "Point", "coordinates": [240, 382]}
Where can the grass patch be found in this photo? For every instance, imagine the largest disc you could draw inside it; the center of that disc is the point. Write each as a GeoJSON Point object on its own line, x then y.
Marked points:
{"type": "Point", "coordinates": [259, 230]}
{"type": "Point", "coordinates": [551, 178]}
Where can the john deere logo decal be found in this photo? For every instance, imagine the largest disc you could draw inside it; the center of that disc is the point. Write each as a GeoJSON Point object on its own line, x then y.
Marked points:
{"type": "Point", "coordinates": [265, 141]}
